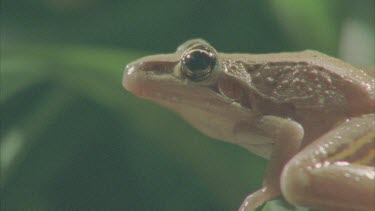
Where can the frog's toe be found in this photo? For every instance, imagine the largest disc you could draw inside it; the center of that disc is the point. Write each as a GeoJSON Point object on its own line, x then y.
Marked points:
{"type": "Point", "coordinates": [258, 198]}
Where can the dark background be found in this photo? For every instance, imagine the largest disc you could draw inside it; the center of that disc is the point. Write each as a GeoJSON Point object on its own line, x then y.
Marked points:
{"type": "Point", "coordinates": [73, 139]}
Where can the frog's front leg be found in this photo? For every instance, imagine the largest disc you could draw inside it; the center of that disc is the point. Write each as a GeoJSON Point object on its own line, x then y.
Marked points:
{"type": "Point", "coordinates": [287, 136]}
{"type": "Point", "coordinates": [336, 172]}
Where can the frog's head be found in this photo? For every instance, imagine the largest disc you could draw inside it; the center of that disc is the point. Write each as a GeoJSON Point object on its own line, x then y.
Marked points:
{"type": "Point", "coordinates": [194, 83]}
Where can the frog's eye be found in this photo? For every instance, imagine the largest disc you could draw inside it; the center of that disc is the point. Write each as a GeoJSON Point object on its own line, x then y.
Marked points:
{"type": "Point", "coordinates": [198, 63]}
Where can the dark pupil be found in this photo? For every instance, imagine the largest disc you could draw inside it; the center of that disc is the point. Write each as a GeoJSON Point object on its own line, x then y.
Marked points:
{"type": "Point", "coordinates": [198, 61]}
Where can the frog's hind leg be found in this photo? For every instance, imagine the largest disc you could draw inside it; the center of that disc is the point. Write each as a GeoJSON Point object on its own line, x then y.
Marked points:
{"type": "Point", "coordinates": [336, 172]}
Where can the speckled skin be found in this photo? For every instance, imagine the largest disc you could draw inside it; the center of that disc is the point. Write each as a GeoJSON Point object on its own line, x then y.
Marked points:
{"type": "Point", "coordinates": [311, 114]}
{"type": "Point", "coordinates": [315, 90]}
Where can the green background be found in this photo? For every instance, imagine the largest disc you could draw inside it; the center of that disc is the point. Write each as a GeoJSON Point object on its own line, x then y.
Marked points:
{"type": "Point", "coordinates": [73, 139]}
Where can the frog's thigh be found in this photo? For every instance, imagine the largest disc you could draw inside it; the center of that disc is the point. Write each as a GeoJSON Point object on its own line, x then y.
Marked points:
{"type": "Point", "coordinates": [336, 172]}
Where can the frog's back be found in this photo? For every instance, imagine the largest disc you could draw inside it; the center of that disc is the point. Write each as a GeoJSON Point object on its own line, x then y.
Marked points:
{"type": "Point", "coordinates": [312, 88]}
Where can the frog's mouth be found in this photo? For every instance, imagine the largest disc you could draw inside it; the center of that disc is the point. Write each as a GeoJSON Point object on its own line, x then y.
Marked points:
{"type": "Point", "coordinates": [154, 78]}
{"type": "Point", "coordinates": [170, 91]}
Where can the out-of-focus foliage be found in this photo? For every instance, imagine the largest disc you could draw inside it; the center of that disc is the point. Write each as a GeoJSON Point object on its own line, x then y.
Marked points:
{"type": "Point", "coordinates": [73, 139]}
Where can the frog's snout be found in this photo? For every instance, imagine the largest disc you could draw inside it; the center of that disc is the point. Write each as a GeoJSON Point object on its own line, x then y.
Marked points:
{"type": "Point", "coordinates": [129, 80]}
{"type": "Point", "coordinates": [140, 73]}
{"type": "Point", "coordinates": [137, 75]}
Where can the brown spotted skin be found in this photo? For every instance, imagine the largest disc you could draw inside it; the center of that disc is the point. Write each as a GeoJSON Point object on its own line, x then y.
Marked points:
{"type": "Point", "coordinates": [308, 92]}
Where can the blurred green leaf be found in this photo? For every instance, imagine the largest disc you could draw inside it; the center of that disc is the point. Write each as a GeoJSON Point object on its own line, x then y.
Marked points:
{"type": "Point", "coordinates": [281, 205]}
{"type": "Point", "coordinates": [311, 23]}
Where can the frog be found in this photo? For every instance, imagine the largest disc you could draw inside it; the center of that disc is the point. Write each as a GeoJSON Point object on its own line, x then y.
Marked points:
{"type": "Point", "coordinates": [311, 115]}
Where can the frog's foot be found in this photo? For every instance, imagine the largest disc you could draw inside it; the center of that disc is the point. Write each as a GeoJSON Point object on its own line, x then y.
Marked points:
{"type": "Point", "coordinates": [259, 197]}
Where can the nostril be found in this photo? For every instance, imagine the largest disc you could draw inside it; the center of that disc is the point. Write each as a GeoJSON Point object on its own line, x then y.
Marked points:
{"type": "Point", "coordinates": [129, 69]}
